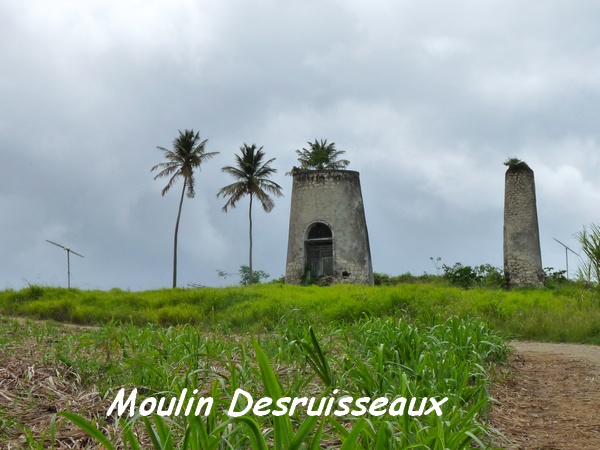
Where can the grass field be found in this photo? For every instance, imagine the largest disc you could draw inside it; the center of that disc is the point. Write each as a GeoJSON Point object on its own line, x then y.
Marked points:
{"type": "Point", "coordinates": [570, 313]}
{"type": "Point", "coordinates": [407, 341]}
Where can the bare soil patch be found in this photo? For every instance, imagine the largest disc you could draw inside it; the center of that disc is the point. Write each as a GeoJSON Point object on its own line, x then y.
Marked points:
{"type": "Point", "coordinates": [549, 397]}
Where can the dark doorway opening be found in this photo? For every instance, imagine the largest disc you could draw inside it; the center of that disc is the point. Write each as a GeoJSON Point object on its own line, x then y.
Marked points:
{"type": "Point", "coordinates": [319, 250]}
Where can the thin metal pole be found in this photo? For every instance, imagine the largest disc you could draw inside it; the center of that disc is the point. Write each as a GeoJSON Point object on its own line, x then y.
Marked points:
{"type": "Point", "coordinates": [567, 250]}
{"type": "Point", "coordinates": [68, 269]}
{"type": "Point", "coordinates": [68, 250]}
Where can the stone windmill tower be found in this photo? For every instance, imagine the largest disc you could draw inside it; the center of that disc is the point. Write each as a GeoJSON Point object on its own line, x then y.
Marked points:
{"type": "Point", "coordinates": [328, 237]}
{"type": "Point", "coordinates": [522, 254]}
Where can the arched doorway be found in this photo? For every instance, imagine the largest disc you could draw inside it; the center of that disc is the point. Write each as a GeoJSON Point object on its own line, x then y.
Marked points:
{"type": "Point", "coordinates": [319, 250]}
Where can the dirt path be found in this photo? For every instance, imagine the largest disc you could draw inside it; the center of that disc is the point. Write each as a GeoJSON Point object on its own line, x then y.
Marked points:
{"type": "Point", "coordinates": [550, 397]}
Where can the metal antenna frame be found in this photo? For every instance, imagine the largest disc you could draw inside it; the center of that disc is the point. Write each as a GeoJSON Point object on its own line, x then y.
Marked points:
{"type": "Point", "coordinates": [69, 251]}
{"type": "Point", "coordinates": [567, 250]}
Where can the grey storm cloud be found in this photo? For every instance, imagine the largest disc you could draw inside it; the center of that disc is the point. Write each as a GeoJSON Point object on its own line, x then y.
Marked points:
{"type": "Point", "coordinates": [427, 100]}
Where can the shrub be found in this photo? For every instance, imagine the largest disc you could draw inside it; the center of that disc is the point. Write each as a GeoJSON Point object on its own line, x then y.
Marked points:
{"type": "Point", "coordinates": [555, 278]}
{"type": "Point", "coordinates": [383, 279]}
{"type": "Point", "coordinates": [468, 277]}
{"type": "Point", "coordinates": [257, 275]}
{"type": "Point", "coordinates": [516, 164]}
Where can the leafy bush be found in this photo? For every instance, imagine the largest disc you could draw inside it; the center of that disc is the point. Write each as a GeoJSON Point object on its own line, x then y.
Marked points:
{"type": "Point", "coordinates": [468, 277]}
{"type": "Point", "coordinates": [516, 164]}
{"type": "Point", "coordinates": [244, 274]}
{"type": "Point", "coordinates": [555, 278]}
{"type": "Point", "coordinates": [383, 279]}
{"type": "Point", "coordinates": [257, 275]}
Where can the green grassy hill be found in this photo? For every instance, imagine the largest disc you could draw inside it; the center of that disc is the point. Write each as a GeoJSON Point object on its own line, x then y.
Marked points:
{"type": "Point", "coordinates": [570, 313]}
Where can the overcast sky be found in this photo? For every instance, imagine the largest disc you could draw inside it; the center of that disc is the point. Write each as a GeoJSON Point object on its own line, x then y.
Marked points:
{"type": "Point", "coordinates": [428, 99]}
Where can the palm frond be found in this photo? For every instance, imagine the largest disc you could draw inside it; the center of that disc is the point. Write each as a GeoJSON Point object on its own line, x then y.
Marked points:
{"type": "Point", "coordinates": [187, 155]}
{"type": "Point", "coordinates": [264, 170]}
{"type": "Point", "coordinates": [252, 173]}
{"type": "Point", "coordinates": [235, 192]}
{"type": "Point", "coordinates": [169, 184]}
{"type": "Point", "coordinates": [235, 172]}
{"type": "Point", "coordinates": [265, 200]}
{"type": "Point", "coordinates": [271, 187]}
{"type": "Point", "coordinates": [167, 170]}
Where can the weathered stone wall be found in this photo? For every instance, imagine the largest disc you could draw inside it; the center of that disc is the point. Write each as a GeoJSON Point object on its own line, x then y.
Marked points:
{"type": "Point", "coordinates": [333, 197]}
{"type": "Point", "coordinates": [522, 254]}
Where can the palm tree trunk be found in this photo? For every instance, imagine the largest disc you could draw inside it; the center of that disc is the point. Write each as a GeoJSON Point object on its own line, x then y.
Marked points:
{"type": "Point", "coordinates": [176, 232]}
{"type": "Point", "coordinates": [250, 256]}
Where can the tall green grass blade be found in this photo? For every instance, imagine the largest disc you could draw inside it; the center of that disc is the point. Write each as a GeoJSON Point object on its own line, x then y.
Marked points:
{"type": "Point", "coordinates": [90, 429]}
{"type": "Point", "coordinates": [476, 439]}
{"type": "Point", "coordinates": [257, 440]}
{"type": "Point", "coordinates": [383, 440]}
{"type": "Point", "coordinates": [320, 363]}
{"type": "Point", "coordinates": [281, 424]}
{"type": "Point", "coordinates": [129, 437]}
{"type": "Point", "coordinates": [153, 435]}
{"type": "Point", "coordinates": [300, 437]}
{"type": "Point", "coordinates": [338, 427]}
{"type": "Point", "coordinates": [351, 440]}
{"type": "Point", "coordinates": [53, 431]}
{"type": "Point", "coordinates": [315, 443]}
{"type": "Point", "coordinates": [316, 358]}
{"type": "Point", "coordinates": [195, 437]}
{"type": "Point", "coordinates": [163, 432]}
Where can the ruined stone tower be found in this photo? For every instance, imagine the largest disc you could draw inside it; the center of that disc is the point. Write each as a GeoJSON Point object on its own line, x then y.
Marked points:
{"type": "Point", "coordinates": [328, 235]}
{"type": "Point", "coordinates": [522, 254]}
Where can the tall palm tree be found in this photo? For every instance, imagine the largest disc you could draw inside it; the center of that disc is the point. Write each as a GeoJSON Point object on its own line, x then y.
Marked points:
{"type": "Point", "coordinates": [321, 156]}
{"type": "Point", "coordinates": [252, 178]}
{"type": "Point", "coordinates": [187, 155]}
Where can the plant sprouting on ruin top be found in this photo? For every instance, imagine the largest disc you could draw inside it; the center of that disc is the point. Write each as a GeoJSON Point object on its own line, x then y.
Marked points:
{"type": "Point", "coordinates": [320, 156]}
{"type": "Point", "coordinates": [516, 164]}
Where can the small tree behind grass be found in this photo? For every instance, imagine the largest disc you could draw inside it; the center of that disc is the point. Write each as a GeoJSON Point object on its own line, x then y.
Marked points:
{"type": "Point", "coordinates": [484, 275]}
{"type": "Point", "coordinates": [589, 238]}
{"type": "Point", "coordinates": [555, 278]}
{"type": "Point", "coordinates": [257, 276]}
{"type": "Point", "coordinates": [246, 277]}
{"type": "Point", "coordinates": [383, 279]}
